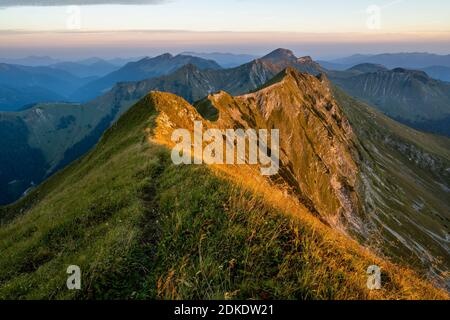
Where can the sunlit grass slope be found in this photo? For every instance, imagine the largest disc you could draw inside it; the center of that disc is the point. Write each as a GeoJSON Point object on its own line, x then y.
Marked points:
{"type": "Point", "coordinates": [142, 228]}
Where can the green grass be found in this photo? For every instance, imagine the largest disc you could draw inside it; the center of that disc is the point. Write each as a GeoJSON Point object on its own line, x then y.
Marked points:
{"type": "Point", "coordinates": [88, 215]}
{"type": "Point", "coordinates": [220, 241]}
{"type": "Point", "coordinates": [141, 228]}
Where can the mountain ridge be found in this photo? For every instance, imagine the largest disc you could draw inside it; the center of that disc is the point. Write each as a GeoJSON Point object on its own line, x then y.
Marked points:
{"type": "Point", "coordinates": [143, 69]}
{"type": "Point", "coordinates": [392, 60]}
{"type": "Point", "coordinates": [92, 118]}
{"type": "Point", "coordinates": [408, 96]}
{"type": "Point", "coordinates": [41, 82]}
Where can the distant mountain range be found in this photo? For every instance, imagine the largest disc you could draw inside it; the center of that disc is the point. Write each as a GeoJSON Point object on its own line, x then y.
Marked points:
{"type": "Point", "coordinates": [438, 72]}
{"type": "Point", "coordinates": [58, 81]}
{"type": "Point", "coordinates": [86, 79]}
{"type": "Point", "coordinates": [409, 96]}
{"type": "Point", "coordinates": [31, 61]}
{"type": "Point", "coordinates": [193, 84]}
{"type": "Point", "coordinates": [39, 61]}
{"type": "Point", "coordinates": [226, 60]}
{"type": "Point", "coordinates": [80, 81]}
{"type": "Point", "coordinates": [436, 66]}
{"type": "Point", "coordinates": [139, 70]}
{"type": "Point", "coordinates": [23, 85]}
{"type": "Point", "coordinates": [17, 98]}
{"type": "Point", "coordinates": [397, 60]}
{"type": "Point", "coordinates": [90, 68]}
{"type": "Point", "coordinates": [86, 68]}
{"type": "Point", "coordinates": [349, 177]}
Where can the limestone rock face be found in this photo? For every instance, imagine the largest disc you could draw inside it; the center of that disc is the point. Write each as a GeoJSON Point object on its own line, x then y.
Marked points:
{"type": "Point", "coordinates": [316, 140]}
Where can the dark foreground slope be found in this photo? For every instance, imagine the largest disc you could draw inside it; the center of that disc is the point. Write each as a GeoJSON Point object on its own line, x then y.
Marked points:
{"type": "Point", "coordinates": [140, 227]}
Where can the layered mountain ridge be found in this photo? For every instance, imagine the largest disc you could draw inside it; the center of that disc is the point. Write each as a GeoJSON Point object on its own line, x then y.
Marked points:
{"type": "Point", "coordinates": [58, 141]}
{"type": "Point", "coordinates": [61, 133]}
{"type": "Point", "coordinates": [408, 96]}
{"type": "Point", "coordinates": [140, 70]}
{"type": "Point", "coordinates": [22, 85]}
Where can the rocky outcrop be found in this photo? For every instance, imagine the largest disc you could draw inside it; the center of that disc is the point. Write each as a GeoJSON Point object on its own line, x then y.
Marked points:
{"type": "Point", "coordinates": [316, 150]}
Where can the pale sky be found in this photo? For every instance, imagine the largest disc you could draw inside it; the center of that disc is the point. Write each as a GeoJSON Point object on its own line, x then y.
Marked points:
{"type": "Point", "coordinates": [230, 25]}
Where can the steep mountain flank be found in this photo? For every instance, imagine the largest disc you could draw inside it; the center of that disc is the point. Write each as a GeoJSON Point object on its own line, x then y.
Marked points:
{"type": "Point", "coordinates": [405, 187]}
{"type": "Point", "coordinates": [408, 96]}
{"type": "Point", "coordinates": [385, 184]}
{"type": "Point", "coordinates": [316, 141]}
